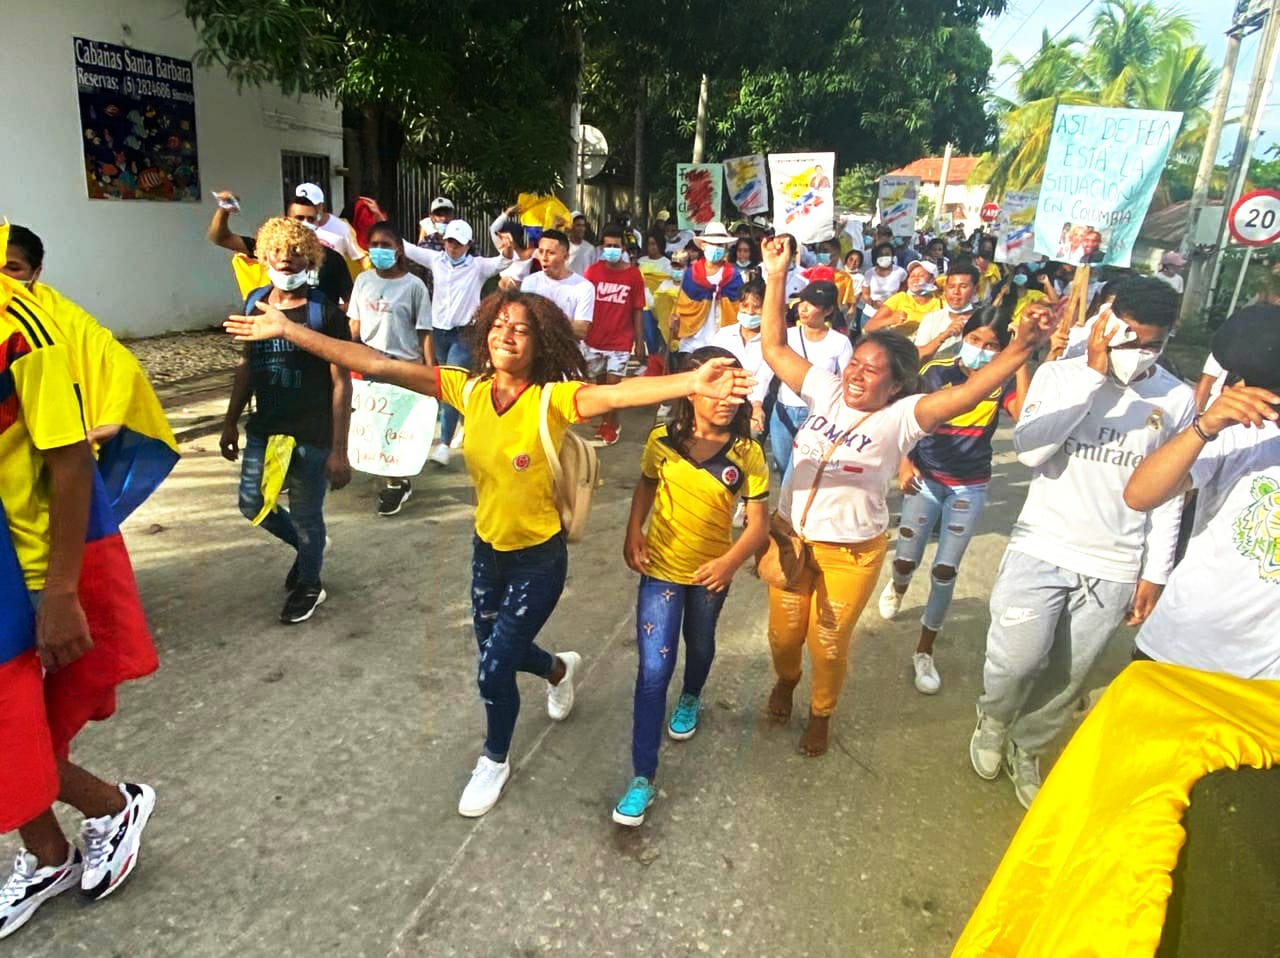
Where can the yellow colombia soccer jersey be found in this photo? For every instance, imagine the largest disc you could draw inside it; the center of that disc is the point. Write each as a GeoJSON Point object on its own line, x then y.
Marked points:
{"type": "Point", "coordinates": [515, 505]}
{"type": "Point", "coordinates": [693, 509]}
{"type": "Point", "coordinates": [916, 311]}
{"type": "Point", "coordinates": [38, 410]}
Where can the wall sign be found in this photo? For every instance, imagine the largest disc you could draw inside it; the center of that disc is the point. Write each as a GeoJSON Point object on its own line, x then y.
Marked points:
{"type": "Point", "coordinates": [137, 123]}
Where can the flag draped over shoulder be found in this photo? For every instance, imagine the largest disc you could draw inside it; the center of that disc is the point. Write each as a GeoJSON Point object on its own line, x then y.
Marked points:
{"type": "Point", "coordinates": [697, 294]}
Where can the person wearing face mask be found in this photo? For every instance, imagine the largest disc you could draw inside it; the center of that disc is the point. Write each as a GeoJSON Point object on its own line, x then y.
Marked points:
{"type": "Point", "coordinates": [823, 348]}
{"type": "Point", "coordinates": [1079, 561]}
{"type": "Point", "coordinates": [1021, 290]}
{"type": "Point", "coordinates": [709, 291]}
{"type": "Point", "coordinates": [903, 311]}
{"type": "Point", "coordinates": [746, 258]}
{"type": "Point", "coordinates": [944, 481]}
{"type": "Point", "coordinates": [431, 227]}
{"type": "Point", "coordinates": [862, 420]}
{"type": "Point", "coordinates": [884, 278]}
{"type": "Point", "coordinates": [940, 332]}
{"type": "Point", "coordinates": [390, 311]}
{"type": "Point", "coordinates": [617, 325]}
{"type": "Point", "coordinates": [302, 410]}
{"type": "Point", "coordinates": [332, 278]}
{"type": "Point", "coordinates": [333, 231]}
{"type": "Point", "coordinates": [457, 278]}
{"type": "Point", "coordinates": [743, 340]}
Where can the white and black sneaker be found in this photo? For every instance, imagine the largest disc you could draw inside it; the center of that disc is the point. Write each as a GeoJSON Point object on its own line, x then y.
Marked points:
{"type": "Point", "coordinates": [30, 886]}
{"type": "Point", "coordinates": [302, 603]}
{"type": "Point", "coordinates": [111, 842]}
{"type": "Point", "coordinates": [392, 499]}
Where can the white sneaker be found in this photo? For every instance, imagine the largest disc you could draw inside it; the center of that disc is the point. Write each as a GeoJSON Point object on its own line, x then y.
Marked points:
{"type": "Point", "coordinates": [740, 515]}
{"type": "Point", "coordinates": [928, 680]}
{"type": "Point", "coordinates": [890, 602]}
{"type": "Point", "coordinates": [986, 748]}
{"type": "Point", "coordinates": [1024, 772]}
{"type": "Point", "coordinates": [111, 842]}
{"type": "Point", "coordinates": [30, 886]}
{"type": "Point", "coordinates": [485, 788]}
{"type": "Point", "coordinates": [560, 697]}
{"type": "Point", "coordinates": [439, 454]}
{"type": "Point", "coordinates": [457, 438]}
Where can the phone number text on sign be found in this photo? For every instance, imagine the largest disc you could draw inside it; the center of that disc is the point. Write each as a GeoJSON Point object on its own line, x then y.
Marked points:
{"type": "Point", "coordinates": [391, 429]}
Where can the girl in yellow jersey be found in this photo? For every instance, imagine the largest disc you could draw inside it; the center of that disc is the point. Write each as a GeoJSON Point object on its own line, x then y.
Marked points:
{"type": "Point", "coordinates": [693, 471]}
{"type": "Point", "coordinates": [520, 560]}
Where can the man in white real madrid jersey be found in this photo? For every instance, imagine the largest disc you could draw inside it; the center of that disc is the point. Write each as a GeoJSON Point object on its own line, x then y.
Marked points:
{"type": "Point", "coordinates": [1075, 566]}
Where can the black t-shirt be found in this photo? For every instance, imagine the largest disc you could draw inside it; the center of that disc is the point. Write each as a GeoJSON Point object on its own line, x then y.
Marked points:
{"type": "Point", "coordinates": [333, 278]}
{"type": "Point", "coordinates": [292, 389]}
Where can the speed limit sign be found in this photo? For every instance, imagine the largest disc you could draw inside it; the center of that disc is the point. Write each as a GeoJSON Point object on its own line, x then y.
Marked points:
{"type": "Point", "coordinates": [1255, 219]}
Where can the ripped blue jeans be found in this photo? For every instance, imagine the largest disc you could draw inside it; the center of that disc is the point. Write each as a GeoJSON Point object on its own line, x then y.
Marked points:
{"type": "Point", "coordinates": [956, 511]}
{"type": "Point", "coordinates": [512, 596]}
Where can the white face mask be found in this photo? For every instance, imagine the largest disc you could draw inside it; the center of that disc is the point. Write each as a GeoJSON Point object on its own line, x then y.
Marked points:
{"type": "Point", "coordinates": [884, 262]}
{"type": "Point", "coordinates": [286, 281]}
{"type": "Point", "coordinates": [1127, 364]}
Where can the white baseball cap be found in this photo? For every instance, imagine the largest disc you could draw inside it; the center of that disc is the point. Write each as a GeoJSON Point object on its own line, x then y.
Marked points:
{"type": "Point", "coordinates": [458, 230]}
{"type": "Point", "coordinates": [310, 192]}
{"type": "Point", "coordinates": [441, 203]}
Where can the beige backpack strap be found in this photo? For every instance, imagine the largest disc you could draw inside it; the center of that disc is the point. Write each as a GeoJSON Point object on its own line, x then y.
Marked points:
{"type": "Point", "coordinates": [548, 447]}
{"type": "Point", "coordinates": [467, 389]}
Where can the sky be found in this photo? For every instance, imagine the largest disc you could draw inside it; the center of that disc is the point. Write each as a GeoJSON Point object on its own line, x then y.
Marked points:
{"type": "Point", "coordinates": [1019, 28]}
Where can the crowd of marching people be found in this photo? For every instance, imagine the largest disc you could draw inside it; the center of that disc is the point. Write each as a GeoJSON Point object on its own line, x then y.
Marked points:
{"type": "Point", "coordinates": [829, 377]}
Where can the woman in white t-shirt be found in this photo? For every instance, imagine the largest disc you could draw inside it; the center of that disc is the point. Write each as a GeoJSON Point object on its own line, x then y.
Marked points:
{"type": "Point", "coordinates": [884, 278]}
{"type": "Point", "coordinates": [821, 346]}
{"type": "Point", "coordinates": [868, 413]}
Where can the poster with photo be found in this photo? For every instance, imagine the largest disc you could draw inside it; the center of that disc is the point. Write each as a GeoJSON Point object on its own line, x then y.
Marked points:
{"type": "Point", "coordinates": [1015, 228]}
{"type": "Point", "coordinates": [137, 123]}
{"type": "Point", "coordinates": [803, 195]}
{"type": "Point", "coordinates": [898, 203]}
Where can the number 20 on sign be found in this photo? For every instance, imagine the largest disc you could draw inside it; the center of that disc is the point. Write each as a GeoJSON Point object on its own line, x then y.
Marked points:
{"type": "Point", "coordinates": [1255, 219]}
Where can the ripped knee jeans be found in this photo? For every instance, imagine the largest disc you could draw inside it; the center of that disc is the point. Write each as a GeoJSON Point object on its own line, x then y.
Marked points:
{"type": "Point", "coordinates": [512, 596]}
{"type": "Point", "coordinates": [955, 510]}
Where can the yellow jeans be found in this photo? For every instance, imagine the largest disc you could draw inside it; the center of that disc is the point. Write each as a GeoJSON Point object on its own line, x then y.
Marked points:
{"type": "Point", "coordinates": [821, 614]}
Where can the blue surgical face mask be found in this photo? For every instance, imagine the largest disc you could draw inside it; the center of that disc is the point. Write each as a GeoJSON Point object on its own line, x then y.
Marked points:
{"type": "Point", "coordinates": [744, 263]}
{"type": "Point", "coordinates": [1019, 279]}
{"type": "Point", "coordinates": [457, 260]}
{"type": "Point", "coordinates": [611, 254]}
{"type": "Point", "coordinates": [677, 275]}
{"type": "Point", "coordinates": [975, 357]}
{"type": "Point", "coordinates": [714, 254]}
{"type": "Point", "coordinates": [749, 320]}
{"type": "Point", "coordinates": [824, 259]}
{"type": "Point", "coordinates": [382, 258]}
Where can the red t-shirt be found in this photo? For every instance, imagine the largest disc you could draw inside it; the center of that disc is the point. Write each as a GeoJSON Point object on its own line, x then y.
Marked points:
{"type": "Point", "coordinates": [619, 292]}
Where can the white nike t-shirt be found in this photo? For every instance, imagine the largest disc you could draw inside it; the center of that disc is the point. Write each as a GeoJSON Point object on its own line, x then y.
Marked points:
{"type": "Point", "coordinates": [1221, 608]}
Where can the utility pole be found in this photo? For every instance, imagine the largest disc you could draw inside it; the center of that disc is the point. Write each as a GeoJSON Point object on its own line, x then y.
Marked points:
{"type": "Point", "coordinates": [570, 176]}
{"type": "Point", "coordinates": [700, 131]}
{"type": "Point", "coordinates": [1194, 297]}
{"type": "Point", "coordinates": [942, 187]}
{"type": "Point", "coordinates": [1259, 89]}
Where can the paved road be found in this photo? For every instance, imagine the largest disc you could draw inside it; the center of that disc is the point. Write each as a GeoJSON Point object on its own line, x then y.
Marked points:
{"type": "Point", "coordinates": [308, 777]}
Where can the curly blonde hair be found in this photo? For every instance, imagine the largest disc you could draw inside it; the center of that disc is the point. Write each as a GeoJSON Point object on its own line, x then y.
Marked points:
{"type": "Point", "coordinates": [283, 236]}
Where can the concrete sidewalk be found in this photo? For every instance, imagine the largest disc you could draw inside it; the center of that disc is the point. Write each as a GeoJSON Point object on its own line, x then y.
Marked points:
{"type": "Point", "coordinates": [308, 777]}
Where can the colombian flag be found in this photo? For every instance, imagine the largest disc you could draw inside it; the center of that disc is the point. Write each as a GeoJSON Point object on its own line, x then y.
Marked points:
{"type": "Point", "coordinates": [697, 293]}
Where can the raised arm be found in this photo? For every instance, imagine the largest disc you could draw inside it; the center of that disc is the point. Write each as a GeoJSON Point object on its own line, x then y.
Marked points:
{"type": "Point", "coordinates": [273, 324]}
{"type": "Point", "coordinates": [219, 233]}
{"type": "Point", "coordinates": [786, 363]}
{"type": "Point", "coordinates": [936, 408]}
{"type": "Point", "coordinates": [715, 379]}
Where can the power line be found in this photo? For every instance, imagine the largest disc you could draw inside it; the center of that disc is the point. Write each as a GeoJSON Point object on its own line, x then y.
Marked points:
{"type": "Point", "coordinates": [1075, 16]}
{"type": "Point", "coordinates": [1025, 20]}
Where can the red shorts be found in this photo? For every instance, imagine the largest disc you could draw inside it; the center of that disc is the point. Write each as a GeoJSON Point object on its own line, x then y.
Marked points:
{"type": "Point", "coordinates": [41, 715]}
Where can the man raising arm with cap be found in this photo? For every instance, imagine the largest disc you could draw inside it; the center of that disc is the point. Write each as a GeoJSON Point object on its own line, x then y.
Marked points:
{"type": "Point", "coordinates": [333, 231]}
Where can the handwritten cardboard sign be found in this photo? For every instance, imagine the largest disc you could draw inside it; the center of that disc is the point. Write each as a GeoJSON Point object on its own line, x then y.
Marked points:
{"type": "Point", "coordinates": [391, 429]}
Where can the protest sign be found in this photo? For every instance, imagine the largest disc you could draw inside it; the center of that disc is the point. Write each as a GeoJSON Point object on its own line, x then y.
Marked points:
{"type": "Point", "coordinates": [698, 190]}
{"type": "Point", "coordinates": [391, 429]}
{"type": "Point", "coordinates": [803, 197]}
{"type": "Point", "coordinates": [943, 223]}
{"type": "Point", "coordinates": [897, 203]}
{"type": "Point", "coordinates": [137, 123]}
{"type": "Point", "coordinates": [1102, 169]}
{"type": "Point", "coordinates": [1015, 228]}
{"type": "Point", "coordinates": [748, 183]}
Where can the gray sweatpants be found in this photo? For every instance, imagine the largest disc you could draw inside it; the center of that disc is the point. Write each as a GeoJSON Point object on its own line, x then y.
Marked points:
{"type": "Point", "coordinates": [1048, 627]}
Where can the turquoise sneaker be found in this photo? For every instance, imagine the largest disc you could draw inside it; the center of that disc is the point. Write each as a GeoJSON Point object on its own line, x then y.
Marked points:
{"type": "Point", "coordinates": [631, 808]}
{"type": "Point", "coordinates": [684, 720]}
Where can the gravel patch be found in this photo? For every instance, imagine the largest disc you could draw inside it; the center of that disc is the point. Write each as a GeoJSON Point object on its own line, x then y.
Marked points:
{"type": "Point", "coordinates": [177, 356]}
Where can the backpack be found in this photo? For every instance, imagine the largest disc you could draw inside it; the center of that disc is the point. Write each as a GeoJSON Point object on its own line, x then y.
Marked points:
{"type": "Point", "coordinates": [316, 301]}
{"type": "Point", "coordinates": [575, 470]}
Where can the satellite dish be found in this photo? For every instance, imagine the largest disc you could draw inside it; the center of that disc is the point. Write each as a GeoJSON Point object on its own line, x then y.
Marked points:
{"type": "Point", "coordinates": [593, 150]}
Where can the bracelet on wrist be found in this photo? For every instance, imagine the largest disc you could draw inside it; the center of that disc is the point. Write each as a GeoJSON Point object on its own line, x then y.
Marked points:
{"type": "Point", "coordinates": [1199, 431]}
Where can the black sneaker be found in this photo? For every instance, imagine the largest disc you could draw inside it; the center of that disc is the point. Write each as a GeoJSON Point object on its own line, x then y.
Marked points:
{"type": "Point", "coordinates": [291, 580]}
{"type": "Point", "coordinates": [392, 499]}
{"type": "Point", "coordinates": [302, 603]}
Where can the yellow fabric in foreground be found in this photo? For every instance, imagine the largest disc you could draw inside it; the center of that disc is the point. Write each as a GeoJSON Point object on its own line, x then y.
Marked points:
{"type": "Point", "coordinates": [249, 274]}
{"type": "Point", "coordinates": [275, 466]}
{"type": "Point", "coordinates": [1088, 872]}
{"type": "Point", "coordinates": [544, 212]}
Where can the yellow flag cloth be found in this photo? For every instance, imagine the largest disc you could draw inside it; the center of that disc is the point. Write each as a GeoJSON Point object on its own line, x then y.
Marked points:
{"type": "Point", "coordinates": [544, 212]}
{"type": "Point", "coordinates": [275, 466]}
{"type": "Point", "coordinates": [1089, 870]}
{"type": "Point", "coordinates": [249, 274]}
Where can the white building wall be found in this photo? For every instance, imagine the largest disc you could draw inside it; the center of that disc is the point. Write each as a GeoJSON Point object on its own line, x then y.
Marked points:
{"type": "Point", "coordinates": [972, 197]}
{"type": "Point", "coordinates": [142, 267]}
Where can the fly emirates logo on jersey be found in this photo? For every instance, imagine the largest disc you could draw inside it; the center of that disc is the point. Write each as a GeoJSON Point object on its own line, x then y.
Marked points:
{"type": "Point", "coordinates": [1113, 447]}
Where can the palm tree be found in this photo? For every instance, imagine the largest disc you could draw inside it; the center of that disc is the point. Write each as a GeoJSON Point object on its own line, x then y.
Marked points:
{"type": "Point", "coordinates": [1126, 39]}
